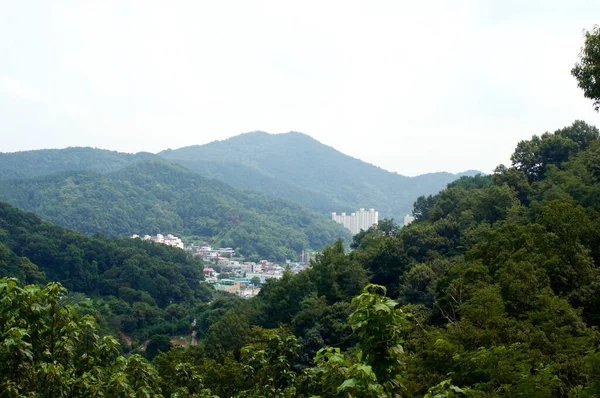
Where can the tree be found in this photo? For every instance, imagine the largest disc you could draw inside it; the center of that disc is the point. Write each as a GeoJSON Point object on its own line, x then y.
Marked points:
{"type": "Point", "coordinates": [269, 371]}
{"type": "Point", "coordinates": [422, 206]}
{"type": "Point", "coordinates": [388, 226]}
{"type": "Point", "coordinates": [587, 70]}
{"type": "Point", "coordinates": [47, 350]}
{"type": "Point", "coordinates": [379, 356]}
{"type": "Point", "coordinates": [158, 343]}
{"type": "Point", "coordinates": [229, 334]}
{"type": "Point", "coordinates": [534, 156]}
{"type": "Point", "coordinates": [580, 132]}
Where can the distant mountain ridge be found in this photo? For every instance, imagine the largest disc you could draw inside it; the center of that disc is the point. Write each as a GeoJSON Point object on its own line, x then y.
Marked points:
{"type": "Point", "coordinates": [41, 162]}
{"type": "Point", "coordinates": [153, 196]}
{"type": "Point", "coordinates": [291, 166]}
{"type": "Point", "coordinates": [297, 167]}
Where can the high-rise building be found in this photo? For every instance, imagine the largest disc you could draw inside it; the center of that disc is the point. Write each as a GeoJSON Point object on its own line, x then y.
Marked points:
{"type": "Point", "coordinates": [355, 222]}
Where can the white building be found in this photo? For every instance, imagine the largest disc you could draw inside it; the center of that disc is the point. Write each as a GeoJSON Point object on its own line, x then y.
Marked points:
{"type": "Point", "coordinates": [355, 222]}
{"type": "Point", "coordinates": [171, 240]}
{"type": "Point", "coordinates": [207, 252]}
{"type": "Point", "coordinates": [408, 219]}
{"type": "Point", "coordinates": [168, 240]}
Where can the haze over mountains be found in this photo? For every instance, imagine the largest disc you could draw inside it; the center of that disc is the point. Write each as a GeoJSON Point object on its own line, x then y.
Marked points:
{"type": "Point", "coordinates": [292, 184]}
{"type": "Point", "coordinates": [152, 196]}
{"type": "Point", "coordinates": [297, 167]}
{"type": "Point", "coordinates": [49, 161]}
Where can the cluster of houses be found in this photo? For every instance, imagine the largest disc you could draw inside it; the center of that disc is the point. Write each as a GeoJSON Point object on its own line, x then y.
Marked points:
{"type": "Point", "coordinates": [169, 240]}
{"type": "Point", "coordinates": [208, 253]}
{"type": "Point", "coordinates": [246, 277]}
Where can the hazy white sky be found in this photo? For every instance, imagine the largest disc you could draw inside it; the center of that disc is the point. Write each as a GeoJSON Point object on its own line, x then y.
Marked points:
{"type": "Point", "coordinates": [412, 87]}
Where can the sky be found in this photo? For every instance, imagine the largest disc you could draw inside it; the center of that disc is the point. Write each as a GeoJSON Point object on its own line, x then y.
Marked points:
{"type": "Point", "coordinates": [412, 87]}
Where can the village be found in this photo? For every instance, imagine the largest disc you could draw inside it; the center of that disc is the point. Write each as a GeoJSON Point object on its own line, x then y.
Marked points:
{"type": "Point", "coordinates": [228, 273]}
{"type": "Point", "coordinates": [242, 278]}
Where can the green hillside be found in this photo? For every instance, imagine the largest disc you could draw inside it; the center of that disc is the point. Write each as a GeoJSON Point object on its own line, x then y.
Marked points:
{"type": "Point", "coordinates": [49, 161]}
{"type": "Point", "coordinates": [295, 166]}
{"type": "Point", "coordinates": [154, 197]}
{"type": "Point", "coordinates": [291, 166]}
{"type": "Point", "coordinates": [493, 291]}
{"type": "Point", "coordinates": [131, 281]}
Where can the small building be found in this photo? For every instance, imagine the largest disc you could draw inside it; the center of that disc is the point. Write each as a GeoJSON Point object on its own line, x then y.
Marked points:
{"type": "Point", "coordinates": [229, 286]}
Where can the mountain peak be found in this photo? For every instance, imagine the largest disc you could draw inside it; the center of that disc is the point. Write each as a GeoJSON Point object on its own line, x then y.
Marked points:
{"type": "Point", "coordinates": [297, 167]}
{"type": "Point", "coordinates": [270, 136]}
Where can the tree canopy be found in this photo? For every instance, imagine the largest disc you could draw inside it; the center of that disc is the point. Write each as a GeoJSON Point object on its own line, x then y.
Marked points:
{"type": "Point", "coordinates": [587, 70]}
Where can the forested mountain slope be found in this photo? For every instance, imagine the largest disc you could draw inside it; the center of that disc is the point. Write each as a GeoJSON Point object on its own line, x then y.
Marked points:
{"type": "Point", "coordinates": [152, 197]}
{"type": "Point", "coordinates": [495, 290]}
{"type": "Point", "coordinates": [49, 161]}
{"type": "Point", "coordinates": [290, 166]}
{"type": "Point", "coordinates": [295, 166]}
{"type": "Point", "coordinates": [499, 277]}
{"type": "Point", "coordinates": [131, 281]}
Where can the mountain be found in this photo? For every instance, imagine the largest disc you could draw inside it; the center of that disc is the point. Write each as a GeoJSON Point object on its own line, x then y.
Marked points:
{"type": "Point", "coordinates": [290, 166]}
{"type": "Point", "coordinates": [296, 167]}
{"type": "Point", "coordinates": [153, 196]}
{"type": "Point", "coordinates": [49, 161]}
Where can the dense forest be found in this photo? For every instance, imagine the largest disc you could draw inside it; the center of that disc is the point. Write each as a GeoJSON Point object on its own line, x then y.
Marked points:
{"type": "Point", "coordinates": [129, 285]}
{"type": "Point", "coordinates": [151, 197]}
{"type": "Point", "coordinates": [296, 167]}
{"type": "Point", "coordinates": [50, 161]}
{"type": "Point", "coordinates": [493, 291]}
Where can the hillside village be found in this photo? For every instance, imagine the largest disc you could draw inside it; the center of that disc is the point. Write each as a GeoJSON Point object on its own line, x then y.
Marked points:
{"type": "Point", "coordinates": [228, 273]}
{"type": "Point", "coordinates": [242, 278]}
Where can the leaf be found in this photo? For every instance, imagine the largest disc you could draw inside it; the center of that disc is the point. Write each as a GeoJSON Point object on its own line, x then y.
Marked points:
{"type": "Point", "coordinates": [348, 383]}
{"type": "Point", "coordinates": [382, 307]}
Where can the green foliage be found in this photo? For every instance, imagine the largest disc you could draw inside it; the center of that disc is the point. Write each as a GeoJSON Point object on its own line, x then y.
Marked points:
{"type": "Point", "coordinates": [226, 335]}
{"type": "Point", "coordinates": [47, 350]}
{"type": "Point", "coordinates": [153, 197]}
{"type": "Point", "coordinates": [337, 276]}
{"type": "Point", "coordinates": [422, 206]}
{"type": "Point", "coordinates": [337, 375]}
{"type": "Point", "coordinates": [587, 70]}
{"type": "Point", "coordinates": [379, 327]}
{"type": "Point", "coordinates": [269, 371]}
{"type": "Point", "coordinates": [533, 157]}
{"type": "Point", "coordinates": [446, 390]}
{"type": "Point", "coordinates": [158, 343]}
{"type": "Point", "coordinates": [50, 161]}
{"type": "Point", "coordinates": [130, 281]}
{"type": "Point", "coordinates": [376, 371]}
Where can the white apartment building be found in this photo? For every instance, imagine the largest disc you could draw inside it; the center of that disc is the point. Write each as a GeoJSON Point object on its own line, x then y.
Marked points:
{"type": "Point", "coordinates": [355, 222]}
